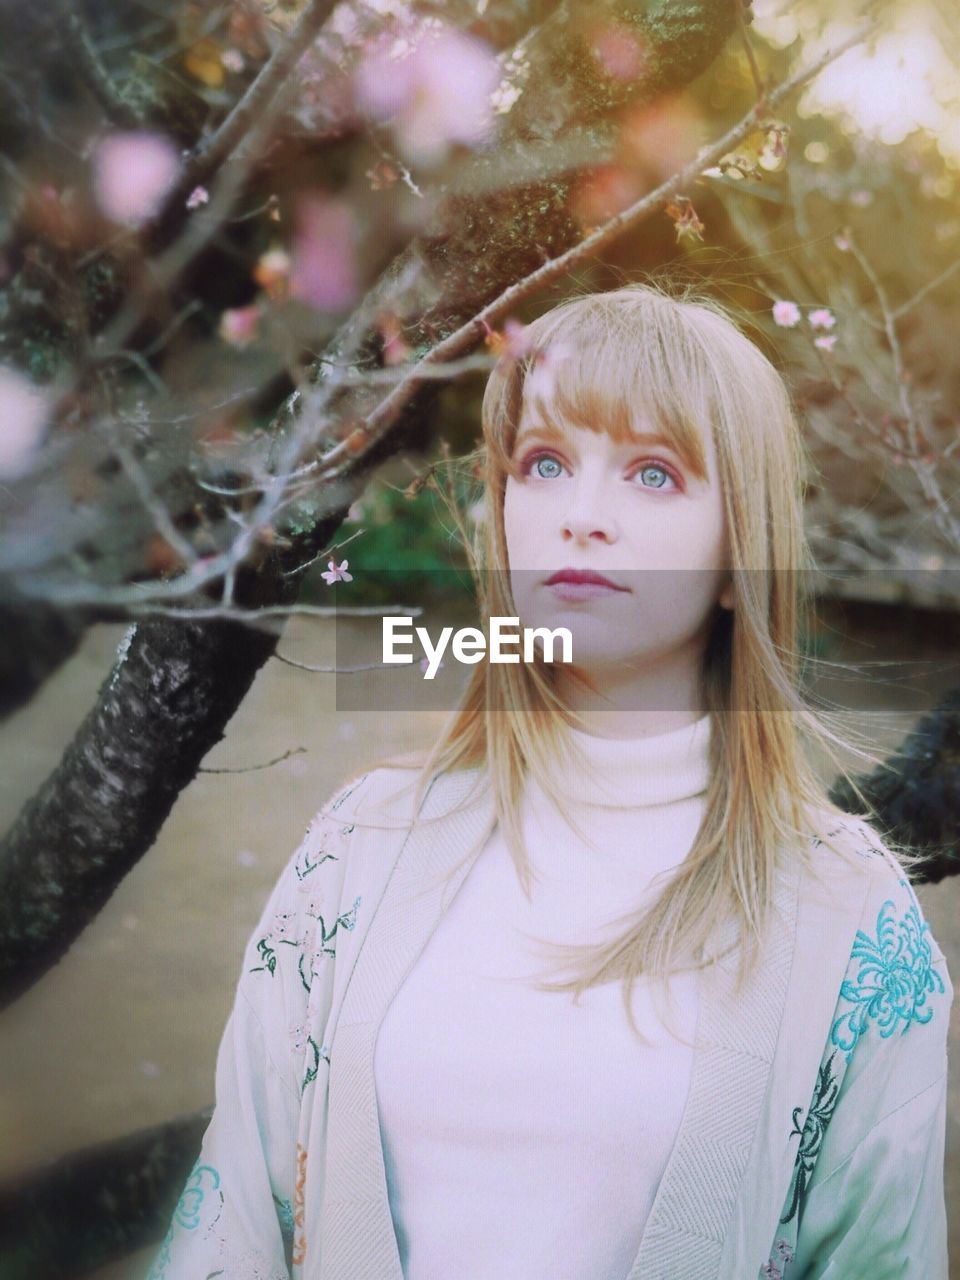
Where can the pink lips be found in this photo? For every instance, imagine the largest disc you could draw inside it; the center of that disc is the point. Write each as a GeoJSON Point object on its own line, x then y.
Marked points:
{"type": "Point", "coordinates": [581, 584]}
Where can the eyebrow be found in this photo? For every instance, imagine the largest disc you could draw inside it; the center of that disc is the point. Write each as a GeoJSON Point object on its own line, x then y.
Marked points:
{"type": "Point", "coordinates": [549, 431]}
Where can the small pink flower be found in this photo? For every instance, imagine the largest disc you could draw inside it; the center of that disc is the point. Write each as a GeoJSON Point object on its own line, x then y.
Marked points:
{"type": "Point", "coordinates": [541, 378]}
{"type": "Point", "coordinates": [323, 268]}
{"type": "Point", "coordinates": [842, 243]}
{"type": "Point", "coordinates": [232, 60]}
{"type": "Point", "coordinates": [238, 326]}
{"type": "Point", "coordinates": [434, 86]}
{"type": "Point", "coordinates": [281, 927]}
{"type": "Point", "coordinates": [197, 197]}
{"type": "Point", "coordinates": [822, 318]}
{"type": "Point", "coordinates": [336, 573]}
{"type": "Point", "coordinates": [518, 342]}
{"type": "Point", "coordinates": [133, 172]}
{"type": "Point", "coordinates": [826, 343]}
{"type": "Point", "coordinates": [619, 53]}
{"type": "Point", "coordinates": [786, 314]}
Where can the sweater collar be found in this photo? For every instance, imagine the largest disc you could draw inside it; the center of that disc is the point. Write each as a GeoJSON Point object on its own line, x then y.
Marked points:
{"type": "Point", "coordinates": [627, 772]}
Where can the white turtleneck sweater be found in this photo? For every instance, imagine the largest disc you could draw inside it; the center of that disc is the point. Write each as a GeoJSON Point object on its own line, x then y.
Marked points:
{"type": "Point", "coordinates": [524, 1136]}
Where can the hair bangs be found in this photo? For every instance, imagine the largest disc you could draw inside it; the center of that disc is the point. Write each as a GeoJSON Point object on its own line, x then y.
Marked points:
{"type": "Point", "coordinates": [586, 370]}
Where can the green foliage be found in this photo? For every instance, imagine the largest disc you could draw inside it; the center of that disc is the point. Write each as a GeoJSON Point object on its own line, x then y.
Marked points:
{"type": "Point", "coordinates": [410, 551]}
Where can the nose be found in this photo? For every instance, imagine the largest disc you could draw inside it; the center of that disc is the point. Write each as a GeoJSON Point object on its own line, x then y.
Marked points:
{"type": "Point", "coordinates": [586, 521]}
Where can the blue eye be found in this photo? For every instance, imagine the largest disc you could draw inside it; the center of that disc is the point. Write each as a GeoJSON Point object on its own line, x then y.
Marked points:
{"type": "Point", "coordinates": [654, 476]}
{"type": "Point", "coordinates": [547, 468]}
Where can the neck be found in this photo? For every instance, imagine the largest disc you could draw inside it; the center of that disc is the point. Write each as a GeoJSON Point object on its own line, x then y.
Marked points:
{"type": "Point", "coordinates": [646, 769]}
{"type": "Point", "coordinates": [629, 703]}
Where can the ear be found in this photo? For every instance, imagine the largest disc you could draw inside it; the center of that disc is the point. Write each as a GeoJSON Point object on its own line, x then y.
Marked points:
{"type": "Point", "coordinates": [726, 596]}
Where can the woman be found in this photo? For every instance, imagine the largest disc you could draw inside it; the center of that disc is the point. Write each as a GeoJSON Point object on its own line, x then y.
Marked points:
{"type": "Point", "coordinates": [750, 1077]}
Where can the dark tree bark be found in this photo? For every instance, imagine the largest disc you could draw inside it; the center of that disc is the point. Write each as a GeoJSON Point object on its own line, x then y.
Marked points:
{"type": "Point", "coordinates": [162, 708]}
{"type": "Point", "coordinates": [916, 793]}
{"type": "Point", "coordinates": [96, 1205]}
{"type": "Point", "coordinates": [37, 640]}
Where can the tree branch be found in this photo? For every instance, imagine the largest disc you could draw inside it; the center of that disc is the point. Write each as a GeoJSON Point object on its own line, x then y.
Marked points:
{"type": "Point", "coordinates": [96, 76]}
{"type": "Point", "coordinates": [259, 96]}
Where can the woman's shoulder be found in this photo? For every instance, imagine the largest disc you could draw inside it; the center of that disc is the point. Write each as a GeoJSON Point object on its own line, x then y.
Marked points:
{"type": "Point", "coordinates": [850, 860]}
{"type": "Point", "coordinates": [378, 790]}
{"type": "Point", "coordinates": [847, 850]}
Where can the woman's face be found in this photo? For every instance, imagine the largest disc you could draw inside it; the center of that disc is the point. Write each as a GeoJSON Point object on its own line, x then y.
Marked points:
{"type": "Point", "coordinates": [634, 513]}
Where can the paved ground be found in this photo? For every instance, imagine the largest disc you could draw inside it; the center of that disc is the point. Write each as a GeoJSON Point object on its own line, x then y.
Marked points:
{"type": "Point", "coordinates": [124, 1032]}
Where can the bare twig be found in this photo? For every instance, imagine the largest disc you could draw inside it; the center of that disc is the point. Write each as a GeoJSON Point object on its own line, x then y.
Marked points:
{"type": "Point", "coordinates": [278, 611]}
{"type": "Point", "coordinates": [927, 288]}
{"type": "Point", "coordinates": [96, 76]}
{"type": "Point", "coordinates": [252, 768]}
{"type": "Point", "coordinates": [260, 95]}
{"type": "Point", "coordinates": [922, 467]}
{"type": "Point", "coordinates": [341, 671]}
{"type": "Point", "coordinates": [751, 56]}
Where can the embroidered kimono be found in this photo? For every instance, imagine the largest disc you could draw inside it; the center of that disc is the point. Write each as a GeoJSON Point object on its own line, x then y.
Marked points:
{"type": "Point", "coordinates": [811, 1145]}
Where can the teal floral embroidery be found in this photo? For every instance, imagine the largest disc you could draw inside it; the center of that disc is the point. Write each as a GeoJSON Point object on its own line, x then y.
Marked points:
{"type": "Point", "coordinates": [196, 1204]}
{"type": "Point", "coordinates": [895, 977]}
{"type": "Point", "coordinates": [829, 1078]}
{"type": "Point", "coordinates": [888, 981]}
{"type": "Point", "coordinates": [284, 1217]}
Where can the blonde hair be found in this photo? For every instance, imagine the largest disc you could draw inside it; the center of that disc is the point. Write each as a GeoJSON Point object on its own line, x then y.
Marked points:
{"type": "Point", "coordinates": [683, 357]}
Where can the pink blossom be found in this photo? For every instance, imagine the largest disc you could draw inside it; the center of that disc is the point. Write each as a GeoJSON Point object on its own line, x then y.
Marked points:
{"type": "Point", "coordinates": [434, 87]}
{"type": "Point", "coordinates": [786, 314]}
{"type": "Point", "coordinates": [323, 267]}
{"type": "Point", "coordinates": [336, 573]}
{"type": "Point", "coordinates": [133, 172]}
{"type": "Point", "coordinates": [281, 927]}
{"type": "Point", "coordinates": [541, 377]}
{"type": "Point", "coordinates": [232, 60]}
{"type": "Point", "coordinates": [619, 53]}
{"type": "Point", "coordinates": [238, 326]}
{"type": "Point", "coordinates": [842, 243]}
{"type": "Point", "coordinates": [822, 318]}
{"type": "Point", "coordinates": [826, 343]}
{"type": "Point", "coordinates": [518, 340]}
{"type": "Point", "coordinates": [197, 197]}
{"type": "Point", "coordinates": [23, 415]}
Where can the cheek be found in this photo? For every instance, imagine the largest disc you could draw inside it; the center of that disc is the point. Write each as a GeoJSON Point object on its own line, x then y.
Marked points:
{"type": "Point", "coordinates": [516, 519]}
